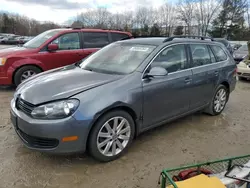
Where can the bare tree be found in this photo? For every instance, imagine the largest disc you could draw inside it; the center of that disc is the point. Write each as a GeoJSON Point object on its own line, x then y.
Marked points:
{"type": "Point", "coordinates": [167, 18]}
{"type": "Point", "coordinates": [95, 18]}
{"type": "Point", "coordinates": [186, 11]}
{"type": "Point", "coordinates": [205, 12]}
{"type": "Point", "coordinates": [248, 14]}
{"type": "Point", "coordinates": [142, 16]}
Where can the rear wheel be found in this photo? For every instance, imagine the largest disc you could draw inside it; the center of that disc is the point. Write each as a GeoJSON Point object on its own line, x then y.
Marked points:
{"type": "Point", "coordinates": [111, 136]}
{"type": "Point", "coordinates": [24, 73]}
{"type": "Point", "coordinates": [219, 101]}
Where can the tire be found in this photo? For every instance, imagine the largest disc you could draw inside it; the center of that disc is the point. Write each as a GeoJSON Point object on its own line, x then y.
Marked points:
{"type": "Point", "coordinates": [241, 78]}
{"type": "Point", "coordinates": [211, 109]}
{"type": "Point", "coordinates": [19, 75]}
{"type": "Point", "coordinates": [106, 153]}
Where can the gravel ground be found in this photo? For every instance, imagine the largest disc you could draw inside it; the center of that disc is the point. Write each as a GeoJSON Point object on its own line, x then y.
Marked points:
{"type": "Point", "coordinates": [195, 138]}
{"type": "Point", "coordinates": [2, 46]}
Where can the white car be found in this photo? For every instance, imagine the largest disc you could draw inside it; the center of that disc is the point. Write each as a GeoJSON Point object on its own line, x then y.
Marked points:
{"type": "Point", "coordinates": [2, 39]}
{"type": "Point", "coordinates": [243, 70]}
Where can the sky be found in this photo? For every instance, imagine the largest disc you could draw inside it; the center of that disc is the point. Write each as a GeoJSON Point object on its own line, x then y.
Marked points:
{"type": "Point", "coordinates": [60, 11]}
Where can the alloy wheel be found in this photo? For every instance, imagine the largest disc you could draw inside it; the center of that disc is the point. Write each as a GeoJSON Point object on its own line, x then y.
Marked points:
{"type": "Point", "coordinates": [113, 136]}
{"type": "Point", "coordinates": [220, 100]}
{"type": "Point", "coordinates": [27, 74]}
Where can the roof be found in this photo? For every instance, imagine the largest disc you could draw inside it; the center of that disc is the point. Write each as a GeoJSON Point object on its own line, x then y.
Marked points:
{"type": "Point", "coordinates": [156, 41]}
{"type": "Point", "coordinates": [90, 30]}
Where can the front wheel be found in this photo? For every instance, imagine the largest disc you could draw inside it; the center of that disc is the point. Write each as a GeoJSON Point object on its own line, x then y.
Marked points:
{"type": "Point", "coordinates": [219, 101]}
{"type": "Point", "coordinates": [111, 136]}
{"type": "Point", "coordinates": [24, 73]}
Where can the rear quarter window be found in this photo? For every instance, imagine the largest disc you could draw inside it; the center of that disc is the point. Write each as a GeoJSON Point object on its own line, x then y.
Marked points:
{"type": "Point", "coordinates": [118, 36]}
{"type": "Point", "coordinates": [219, 53]}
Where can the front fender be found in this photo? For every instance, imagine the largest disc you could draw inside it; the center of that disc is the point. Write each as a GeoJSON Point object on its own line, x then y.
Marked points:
{"type": "Point", "coordinates": [17, 63]}
{"type": "Point", "coordinates": [27, 61]}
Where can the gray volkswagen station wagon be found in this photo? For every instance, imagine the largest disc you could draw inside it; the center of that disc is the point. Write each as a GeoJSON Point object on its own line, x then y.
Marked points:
{"type": "Point", "coordinates": [103, 102]}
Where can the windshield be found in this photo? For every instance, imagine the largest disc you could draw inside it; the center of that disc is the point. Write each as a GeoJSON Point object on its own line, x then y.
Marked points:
{"type": "Point", "coordinates": [243, 48]}
{"type": "Point", "coordinates": [117, 58]}
{"type": "Point", "coordinates": [40, 39]}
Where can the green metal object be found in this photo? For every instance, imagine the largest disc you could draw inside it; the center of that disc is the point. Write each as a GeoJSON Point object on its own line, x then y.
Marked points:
{"type": "Point", "coordinates": [215, 166]}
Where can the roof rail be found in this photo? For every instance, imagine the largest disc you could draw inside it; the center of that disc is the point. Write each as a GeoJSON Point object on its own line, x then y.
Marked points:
{"type": "Point", "coordinates": [188, 36]}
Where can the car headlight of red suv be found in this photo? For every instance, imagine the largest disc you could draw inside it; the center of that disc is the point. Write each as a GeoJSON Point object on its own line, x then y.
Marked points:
{"type": "Point", "coordinates": [2, 61]}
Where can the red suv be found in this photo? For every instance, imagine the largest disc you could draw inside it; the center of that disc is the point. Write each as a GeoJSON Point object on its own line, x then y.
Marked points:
{"type": "Point", "coordinates": [52, 49]}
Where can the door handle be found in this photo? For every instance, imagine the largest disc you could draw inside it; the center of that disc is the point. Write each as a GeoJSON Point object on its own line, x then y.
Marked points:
{"type": "Point", "coordinates": [188, 80]}
{"type": "Point", "coordinates": [216, 73]}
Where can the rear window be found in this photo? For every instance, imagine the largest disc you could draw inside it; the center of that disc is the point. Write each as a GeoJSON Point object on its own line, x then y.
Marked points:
{"type": "Point", "coordinates": [243, 48]}
{"type": "Point", "coordinates": [95, 39]}
{"type": "Point", "coordinates": [200, 54]}
{"type": "Point", "coordinates": [225, 42]}
{"type": "Point", "coordinates": [219, 53]}
{"type": "Point", "coordinates": [118, 36]}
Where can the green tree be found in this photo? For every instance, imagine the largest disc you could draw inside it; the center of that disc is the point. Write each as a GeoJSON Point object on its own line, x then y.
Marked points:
{"type": "Point", "coordinates": [155, 30]}
{"type": "Point", "coordinates": [178, 30]}
{"type": "Point", "coordinates": [6, 23]}
{"type": "Point", "coordinates": [126, 28]}
{"type": "Point", "coordinates": [145, 29]}
{"type": "Point", "coordinates": [230, 20]}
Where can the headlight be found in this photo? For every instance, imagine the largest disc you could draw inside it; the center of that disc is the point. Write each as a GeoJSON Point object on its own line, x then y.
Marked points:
{"type": "Point", "coordinates": [56, 110]}
{"type": "Point", "coordinates": [2, 61]}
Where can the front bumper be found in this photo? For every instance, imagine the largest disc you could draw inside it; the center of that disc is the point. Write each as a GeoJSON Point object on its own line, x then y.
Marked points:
{"type": "Point", "coordinates": [5, 81]}
{"type": "Point", "coordinates": [243, 72]}
{"type": "Point", "coordinates": [47, 135]}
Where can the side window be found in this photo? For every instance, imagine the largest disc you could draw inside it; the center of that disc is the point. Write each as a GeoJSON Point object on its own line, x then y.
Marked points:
{"type": "Point", "coordinates": [69, 41]}
{"type": "Point", "coordinates": [172, 58]}
{"type": "Point", "coordinates": [118, 36]}
{"type": "Point", "coordinates": [213, 59]}
{"type": "Point", "coordinates": [95, 40]}
{"type": "Point", "coordinates": [219, 53]}
{"type": "Point", "coordinates": [200, 55]}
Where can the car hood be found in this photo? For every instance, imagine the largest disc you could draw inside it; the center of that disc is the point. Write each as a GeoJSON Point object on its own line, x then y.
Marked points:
{"type": "Point", "coordinates": [15, 51]}
{"type": "Point", "coordinates": [61, 83]}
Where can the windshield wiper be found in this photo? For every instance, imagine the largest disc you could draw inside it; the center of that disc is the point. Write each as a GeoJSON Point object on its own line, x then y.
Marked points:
{"type": "Point", "coordinates": [88, 69]}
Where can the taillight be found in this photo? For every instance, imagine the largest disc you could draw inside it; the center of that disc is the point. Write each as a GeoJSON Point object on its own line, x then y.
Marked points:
{"type": "Point", "coordinates": [235, 72]}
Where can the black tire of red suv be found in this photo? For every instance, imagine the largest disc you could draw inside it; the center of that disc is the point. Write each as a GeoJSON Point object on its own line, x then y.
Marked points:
{"type": "Point", "coordinates": [22, 70]}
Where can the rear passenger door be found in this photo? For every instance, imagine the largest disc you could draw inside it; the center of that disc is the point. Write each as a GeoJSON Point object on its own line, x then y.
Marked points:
{"type": "Point", "coordinates": [93, 41]}
{"type": "Point", "coordinates": [205, 74]}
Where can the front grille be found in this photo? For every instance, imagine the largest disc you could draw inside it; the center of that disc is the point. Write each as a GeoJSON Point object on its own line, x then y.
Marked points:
{"type": "Point", "coordinates": [36, 142]}
{"type": "Point", "coordinates": [246, 74]}
{"type": "Point", "coordinates": [24, 106]}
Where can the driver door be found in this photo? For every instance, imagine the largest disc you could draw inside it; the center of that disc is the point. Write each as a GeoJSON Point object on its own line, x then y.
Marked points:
{"type": "Point", "coordinates": [166, 97]}
{"type": "Point", "coordinates": [69, 51]}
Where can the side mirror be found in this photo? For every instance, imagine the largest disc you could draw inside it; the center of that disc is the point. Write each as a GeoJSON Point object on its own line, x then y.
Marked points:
{"type": "Point", "coordinates": [157, 72]}
{"type": "Point", "coordinates": [53, 47]}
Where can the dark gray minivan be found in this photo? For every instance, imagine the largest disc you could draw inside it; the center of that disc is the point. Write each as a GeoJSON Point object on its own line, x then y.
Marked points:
{"type": "Point", "coordinates": [127, 87]}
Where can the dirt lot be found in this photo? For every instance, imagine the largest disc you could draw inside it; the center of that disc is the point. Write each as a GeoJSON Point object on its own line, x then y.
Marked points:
{"type": "Point", "coordinates": [194, 138]}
